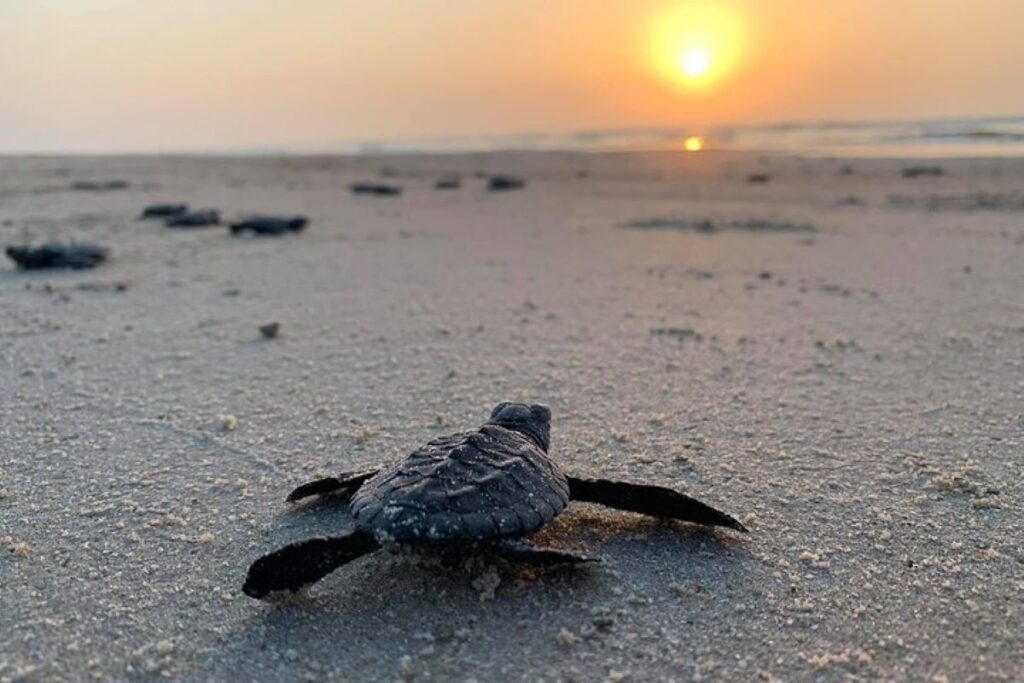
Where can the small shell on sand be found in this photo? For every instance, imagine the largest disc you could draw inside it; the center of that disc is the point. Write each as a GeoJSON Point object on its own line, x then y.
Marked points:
{"type": "Point", "coordinates": [227, 423]}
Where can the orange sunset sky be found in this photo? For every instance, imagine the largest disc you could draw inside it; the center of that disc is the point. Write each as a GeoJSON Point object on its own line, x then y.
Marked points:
{"type": "Point", "coordinates": [151, 75]}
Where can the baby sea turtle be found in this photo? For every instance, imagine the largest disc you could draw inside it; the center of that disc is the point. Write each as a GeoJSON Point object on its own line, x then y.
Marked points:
{"type": "Point", "coordinates": [270, 225]}
{"type": "Point", "coordinates": [72, 255]}
{"type": "Point", "coordinates": [377, 189]}
{"type": "Point", "coordinates": [505, 183]}
{"type": "Point", "coordinates": [490, 485]}
{"type": "Point", "coordinates": [164, 210]}
{"type": "Point", "coordinates": [194, 219]}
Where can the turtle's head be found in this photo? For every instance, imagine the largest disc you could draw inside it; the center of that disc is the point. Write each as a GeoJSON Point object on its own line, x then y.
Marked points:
{"type": "Point", "coordinates": [533, 422]}
{"type": "Point", "coordinates": [17, 253]}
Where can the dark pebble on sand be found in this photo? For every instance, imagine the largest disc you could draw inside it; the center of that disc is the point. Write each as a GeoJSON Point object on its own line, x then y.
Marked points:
{"type": "Point", "coordinates": [376, 189]}
{"type": "Point", "coordinates": [448, 184]}
{"type": "Point", "coordinates": [102, 287]}
{"type": "Point", "coordinates": [99, 185]}
{"type": "Point", "coordinates": [270, 330]}
{"type": "Point", "coordinates": [919, 171]}
{"type": "Point", "coordinates": [678, 333]}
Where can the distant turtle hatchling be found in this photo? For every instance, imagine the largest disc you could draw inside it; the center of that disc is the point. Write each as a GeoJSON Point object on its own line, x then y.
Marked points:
{"type": "Point", "coordinates": [270, 225]}
{"type": "Point", "coordinates": [164, 211]}
{"type": "Point", "coordinates": [193, 219]}
{"type": "Point", "coordinates": [70, 255]}
{"type": "Point", "coordinates": [492, 485]}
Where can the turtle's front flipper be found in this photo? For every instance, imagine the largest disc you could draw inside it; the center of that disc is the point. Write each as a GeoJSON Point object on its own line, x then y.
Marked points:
{"type": "Point", "coordinates": [342, 486]}
{"type": "Point", "coordinates": [656, 501]}
{"type": "Point", "coordinates": [301, 564]}
{"type": "Point", "coordinates": [524, 553]}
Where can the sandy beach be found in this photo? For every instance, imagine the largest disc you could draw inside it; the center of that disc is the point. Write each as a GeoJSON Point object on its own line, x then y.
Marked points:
{"type": "Point", "coordinates": [834, 355]}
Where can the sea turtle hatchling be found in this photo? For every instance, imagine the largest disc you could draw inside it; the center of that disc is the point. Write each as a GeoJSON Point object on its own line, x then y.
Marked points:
{"type": "Point", "coordinates": [491, 485]}
{"type": "Point", "coordinates": [270, 225]}
{"type": "Point", "coordinates": [194, 219]}
{"type": "Point", "coordinates": [69, 255]}
{"type": "Point", "coordinates": [164, 211]}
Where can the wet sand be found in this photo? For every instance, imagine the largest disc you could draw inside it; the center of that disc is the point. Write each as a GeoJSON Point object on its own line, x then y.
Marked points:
{"type": "Point", "coordinates": [835, 356]}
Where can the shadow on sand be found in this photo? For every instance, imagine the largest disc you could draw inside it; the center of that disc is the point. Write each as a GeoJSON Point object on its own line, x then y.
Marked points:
{"type": "Point", "coordinates": [366, 616]}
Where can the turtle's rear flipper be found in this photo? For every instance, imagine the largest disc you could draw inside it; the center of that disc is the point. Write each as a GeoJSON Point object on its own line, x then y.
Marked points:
{"type": "Point", "coordinates": [342, 486]}
{"type": "Point", "coordinates": [524, 553]}
{"type": "Point", "coordinates": [306, 562]}
{"type": "Point", "coordinates": [656, 501]}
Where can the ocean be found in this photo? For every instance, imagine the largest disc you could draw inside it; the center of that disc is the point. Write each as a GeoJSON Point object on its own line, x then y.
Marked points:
{"type": "Point", "coordinates": [969, 137]}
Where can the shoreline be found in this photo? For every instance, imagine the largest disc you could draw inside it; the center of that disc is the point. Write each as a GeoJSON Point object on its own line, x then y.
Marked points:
{"type": "Point", "coordinates": [677, 150]}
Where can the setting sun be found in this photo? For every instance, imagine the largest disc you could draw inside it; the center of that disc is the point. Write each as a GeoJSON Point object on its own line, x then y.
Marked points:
{"type": "Point", "coordinates": [696, 44]}
{"type": "Point", "coordinates": [695, 62]}
{"type": "Point", "coordinates": [694, 143]}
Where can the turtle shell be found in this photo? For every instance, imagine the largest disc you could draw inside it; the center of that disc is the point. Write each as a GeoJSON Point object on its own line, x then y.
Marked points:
{"type": "Point", "coordinates": [490, 483]}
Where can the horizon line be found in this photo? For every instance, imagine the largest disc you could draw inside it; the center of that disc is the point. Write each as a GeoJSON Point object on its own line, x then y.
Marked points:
{"type": "Point", "coordinates": [487, 141]}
